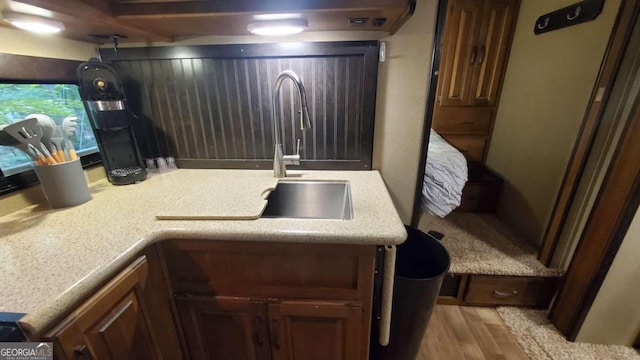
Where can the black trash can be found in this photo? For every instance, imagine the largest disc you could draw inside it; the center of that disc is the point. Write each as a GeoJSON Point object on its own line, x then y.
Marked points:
{"type": "Point", "coordinates": [421, 263]}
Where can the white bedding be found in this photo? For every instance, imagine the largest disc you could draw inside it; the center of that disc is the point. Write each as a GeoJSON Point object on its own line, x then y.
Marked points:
{"type": "Point", "coordinates": [445, 175]}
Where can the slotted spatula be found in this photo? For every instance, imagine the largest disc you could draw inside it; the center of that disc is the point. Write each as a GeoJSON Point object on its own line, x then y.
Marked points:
{"type": "Point", "coordinates": [8, 140]}
{"type": "Point", "coordinates": [47, 125]}
{"type": "Point", "coordinates": [29, 132]}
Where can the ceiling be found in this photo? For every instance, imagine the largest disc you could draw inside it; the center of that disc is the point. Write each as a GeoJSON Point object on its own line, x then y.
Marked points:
{"type": "Point", "coordinates": [96, 21]}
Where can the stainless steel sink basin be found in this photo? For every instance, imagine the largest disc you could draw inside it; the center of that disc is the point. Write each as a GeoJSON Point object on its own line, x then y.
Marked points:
{"type": "Point", "coordinates": [310, 200]}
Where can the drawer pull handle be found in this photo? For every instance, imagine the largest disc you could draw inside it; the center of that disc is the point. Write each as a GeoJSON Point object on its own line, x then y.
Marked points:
{"type": "Point", "coordinates": [504, 295]}
{"type": "Point", "coordinates": [474, 52]}
{"type": "Point", "coordinates": [275, 331]}
{"type": "Point", "coordinates": [467, 123]}
{"type": "Point", "coordinates": [481, 56]}
{"type": "Point", "coordinates": [257, 323]}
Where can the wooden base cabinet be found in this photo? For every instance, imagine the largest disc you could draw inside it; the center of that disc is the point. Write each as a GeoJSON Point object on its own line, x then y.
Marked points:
{"type": "Point", "coordinates": [244, 329]}
{"type": "Point", "coordinates": [224, 327]}
{"type": "Point", "coordinates": [117, 322]}
{"type": "Point", "coordinates": [227, 300]}
{"type": "Point", "coordinates": [315, 330]}
{"type": "Point", "coordinates": [278, 301]}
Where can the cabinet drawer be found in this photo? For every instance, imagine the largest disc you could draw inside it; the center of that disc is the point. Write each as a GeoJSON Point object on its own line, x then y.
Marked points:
{"type": "Point", "coordinates": [463, 120]}
{"type": "Point", "coordinates": [480, 196]}
{"type": "Point", "coordinates": [510, 290]}
{"type": "Point", "coordinates": [472, 147]}
{"type": "Point", "coordinates": [471, 197]}
{"type": "Point", "coordinates": [259, 269]}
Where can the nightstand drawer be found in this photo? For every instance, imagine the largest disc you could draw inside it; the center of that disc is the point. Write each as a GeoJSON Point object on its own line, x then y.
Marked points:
{"type": "Point", "coordinates": [510, 290]}
{"type": "Point", "coordinates": [463, 120]}
{"type": "Point", "coordinates": [471, 198]}
{"type": "Point", "coordinates": [482, 191]}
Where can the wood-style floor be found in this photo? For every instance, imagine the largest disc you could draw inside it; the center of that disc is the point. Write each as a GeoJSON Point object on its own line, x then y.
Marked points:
{"type": "Point", "coordinates": [463, 332]}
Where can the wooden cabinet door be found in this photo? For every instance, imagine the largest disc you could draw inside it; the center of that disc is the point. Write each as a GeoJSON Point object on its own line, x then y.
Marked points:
{"type": "Point", "coordinates": [315, 330]}
{"type": "Point", "coordinates": [498, 17]}
{"type": "Point", "coordinates": [113, 324]}
{"type": "Point", "coordinates": [460, 52]}
{"type": "Point", "coordinates": [224, 328]}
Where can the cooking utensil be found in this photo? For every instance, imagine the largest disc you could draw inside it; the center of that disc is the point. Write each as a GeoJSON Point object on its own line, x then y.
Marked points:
{"type": "Point", "coordinates": [69, 126]}
{"type": "Point", "coordinates": [8, 140]}
{"type": "Point", "coordinates": [57, 139]}
{"type": "Point", "coordinates": [47, 124]}
{"type": "Point", "coordinates": [30, 133]}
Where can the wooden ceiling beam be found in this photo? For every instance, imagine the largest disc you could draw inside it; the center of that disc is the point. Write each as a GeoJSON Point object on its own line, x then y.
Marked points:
{"type": "Point", "coordinates": [125, 8]}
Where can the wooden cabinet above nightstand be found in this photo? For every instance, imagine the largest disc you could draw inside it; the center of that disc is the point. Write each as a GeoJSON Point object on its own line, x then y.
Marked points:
{"type": "Point", "coordinates": [474, 50]}
{"type": "Point", "coordinates": [475, 47]}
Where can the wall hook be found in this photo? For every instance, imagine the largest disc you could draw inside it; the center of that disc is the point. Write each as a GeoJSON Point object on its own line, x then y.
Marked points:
{"type": "Point", "coordinates": [577, 13]}
{"type": "Point", "coordinates": [542, 26]}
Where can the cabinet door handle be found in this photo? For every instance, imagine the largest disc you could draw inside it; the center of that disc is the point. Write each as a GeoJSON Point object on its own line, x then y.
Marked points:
{"type": "Point", "coordinates": [481, 55]}
{"type": "Point", "coordinates": [275, 331]}
{"type": "Point", "coordinates": [503, 294]}
{"type": "Point", "coordinates": [82, 352]}
{"type": "Point", "coordinates": [257, 325]}
{"type": "Point", "coordinates": [474, 52]}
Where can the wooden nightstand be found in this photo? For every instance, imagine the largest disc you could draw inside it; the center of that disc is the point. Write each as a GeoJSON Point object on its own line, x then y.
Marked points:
{"type": "Point", "coordinates": [482, 191]}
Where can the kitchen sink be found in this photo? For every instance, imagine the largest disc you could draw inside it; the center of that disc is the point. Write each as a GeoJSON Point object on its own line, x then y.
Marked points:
{"type": "Point", "coordinates": [310, 200]}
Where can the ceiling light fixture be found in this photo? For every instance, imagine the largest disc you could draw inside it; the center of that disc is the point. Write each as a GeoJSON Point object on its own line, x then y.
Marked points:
{"type": "Point", "coordinates": [278, 27]}
{"type": "Point", "coordinates": [33, 23]}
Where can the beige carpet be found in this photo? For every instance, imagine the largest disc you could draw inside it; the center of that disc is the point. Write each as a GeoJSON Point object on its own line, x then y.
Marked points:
{"type": "Point", "coordinates": [481, 244]}
{"type": "Point", "coordinates": [541, 341]}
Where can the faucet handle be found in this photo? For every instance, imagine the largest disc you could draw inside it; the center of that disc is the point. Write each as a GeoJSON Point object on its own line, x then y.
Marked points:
{"type": "Point", "coordinates": [293, 159]}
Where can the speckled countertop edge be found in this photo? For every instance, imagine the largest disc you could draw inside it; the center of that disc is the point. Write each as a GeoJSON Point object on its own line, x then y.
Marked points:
{"type": "Point", "coordinates": [375, 223]}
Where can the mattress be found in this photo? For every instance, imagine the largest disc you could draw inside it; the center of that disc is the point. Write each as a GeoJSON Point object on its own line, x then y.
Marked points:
{"type": "Point", "coordinates": [446, 173]}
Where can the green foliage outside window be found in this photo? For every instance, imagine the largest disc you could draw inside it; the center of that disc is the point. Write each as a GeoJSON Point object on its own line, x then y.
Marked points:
{"type": "Point", "coordinates": [55, 100]}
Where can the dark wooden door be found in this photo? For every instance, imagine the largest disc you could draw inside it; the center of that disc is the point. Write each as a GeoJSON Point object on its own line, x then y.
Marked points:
{"type": "Point", "coordinates": [315, 330]}
{"type": "Point", "coordinates": [498, 17]}
{"type": "Point", "coordinates": [460, 52]}
{"type": "Point", "coordinates": [113, 324]}
{"type": "Point", "coordinates": [224, 328]}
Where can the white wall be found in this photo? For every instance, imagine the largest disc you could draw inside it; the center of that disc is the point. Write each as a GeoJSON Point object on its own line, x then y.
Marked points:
{"type": "Point", "coordinates": [18, 42]}
{"type": "Point", "coordinates": [547, 86]}
{"type": "Point", "coordinates": [401, 101]}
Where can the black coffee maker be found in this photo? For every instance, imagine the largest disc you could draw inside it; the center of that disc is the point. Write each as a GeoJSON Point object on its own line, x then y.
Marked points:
{"type": "Point", "coordinates": [110, 118]}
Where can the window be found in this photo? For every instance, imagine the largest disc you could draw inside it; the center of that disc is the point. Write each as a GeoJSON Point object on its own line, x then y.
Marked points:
{"type": "Point", "coordinates": [54, 100]}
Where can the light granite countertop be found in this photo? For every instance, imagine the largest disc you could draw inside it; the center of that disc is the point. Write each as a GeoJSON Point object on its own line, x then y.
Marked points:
{"type": "Point", "coordinates": [51, 258]}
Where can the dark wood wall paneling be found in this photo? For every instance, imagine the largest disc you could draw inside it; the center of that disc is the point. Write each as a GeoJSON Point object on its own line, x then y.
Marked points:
{"type": "Point", "coordinates": [210, 106]}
